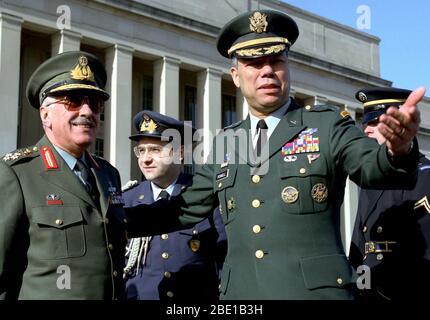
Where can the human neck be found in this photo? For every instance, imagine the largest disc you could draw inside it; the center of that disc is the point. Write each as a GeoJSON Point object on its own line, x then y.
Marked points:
{"type": "Point", "coordinates": [166, 181]}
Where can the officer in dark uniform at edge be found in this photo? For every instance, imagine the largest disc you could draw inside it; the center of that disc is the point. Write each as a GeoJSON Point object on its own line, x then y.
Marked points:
{"type": "Point", "coordinates": [177, 266]}
{"type": "Point", "coordinates": [392, 229]}
{"type": "Point", "coordinates": [283, 225]}
{"type": "Point", "coordinates": [62, 222]}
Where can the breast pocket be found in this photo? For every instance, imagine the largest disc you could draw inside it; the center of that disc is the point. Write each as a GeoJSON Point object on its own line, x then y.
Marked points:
{"type": "Point", "coordinates": [200, 240]}
{"type": "Point", "coordinates": [304, 184]}
{"type": "Point", "coordinates": [58, 232]}
{"type": "Point", "coordinates": [224, 186]}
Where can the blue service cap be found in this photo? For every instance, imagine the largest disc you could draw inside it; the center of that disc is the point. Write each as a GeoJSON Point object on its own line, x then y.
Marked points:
{"type": "Point", "coordinates": [152, 124]}
{"type": "Point", "coordinates": [377, 100]}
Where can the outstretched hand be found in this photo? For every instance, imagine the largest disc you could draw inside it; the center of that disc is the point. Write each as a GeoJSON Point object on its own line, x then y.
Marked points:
{"type": "Point", "coordinates": [399, 126]}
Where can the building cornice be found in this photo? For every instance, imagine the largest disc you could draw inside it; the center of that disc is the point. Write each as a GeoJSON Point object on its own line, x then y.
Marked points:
{"type": "Point", "coordinates": [337, 69]}
{"type": "Point", "coordinates": [172, 18]}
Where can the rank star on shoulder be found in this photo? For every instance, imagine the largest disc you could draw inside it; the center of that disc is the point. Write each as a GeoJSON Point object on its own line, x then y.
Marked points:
{"type": "Point", "coordinates": [176, 309]}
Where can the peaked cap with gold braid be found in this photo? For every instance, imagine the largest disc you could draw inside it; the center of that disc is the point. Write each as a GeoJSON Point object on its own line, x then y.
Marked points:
{"type": "Point", "coordinates": [257, 34]}
{"type": "Point", "coordinates": [377, 100]}
{"type": "Point", "coordinates": [65, 72]}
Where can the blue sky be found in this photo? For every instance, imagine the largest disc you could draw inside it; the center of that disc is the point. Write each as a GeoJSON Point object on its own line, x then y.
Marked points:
{"type": "Point", "coordinates": [402, 26]}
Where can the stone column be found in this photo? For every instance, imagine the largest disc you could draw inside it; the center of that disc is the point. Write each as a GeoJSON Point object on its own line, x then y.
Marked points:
{"type": "Point", "coordinates": [65, 40]}
{"type": "Point", "coordinates": [209, 105]}
{"type": "Point", "coordinates": [118, 111]}
{"type": "Point", "coordinates": [312, 101]}
{"type": "Point", "coordinates": [166, 86]}
{"type": "Point", "coordinates": [241, 105]}
{"type": "Point", "coordinates": [10, 52]}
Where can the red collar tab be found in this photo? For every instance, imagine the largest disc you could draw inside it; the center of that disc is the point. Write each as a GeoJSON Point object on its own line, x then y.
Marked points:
{"type": "Point", "coordinates": [48, 158]}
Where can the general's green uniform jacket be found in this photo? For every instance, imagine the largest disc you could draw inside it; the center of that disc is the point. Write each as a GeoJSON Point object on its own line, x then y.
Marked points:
{"type": "Point", "coordinates": [283, 227]}
{"type": "Point", "coordinates": [50, 228]}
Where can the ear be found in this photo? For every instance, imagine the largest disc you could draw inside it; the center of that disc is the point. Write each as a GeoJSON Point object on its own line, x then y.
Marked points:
{"type": "Point", "coordinates": [235, 76]}
{"type": "Point", "coordinates": [45, 116]}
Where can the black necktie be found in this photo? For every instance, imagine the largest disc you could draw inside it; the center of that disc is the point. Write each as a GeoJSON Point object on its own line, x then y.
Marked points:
{"type": "Point", "coordinates": [90, 181]}
{"type": "Point", "coordinates": [262, 137]}
{"type": "Point", "coordinates": [164, 195]}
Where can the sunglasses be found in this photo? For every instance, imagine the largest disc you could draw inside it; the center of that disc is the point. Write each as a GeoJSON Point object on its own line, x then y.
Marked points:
{"type": "Point", "coordinates": [74, 102]}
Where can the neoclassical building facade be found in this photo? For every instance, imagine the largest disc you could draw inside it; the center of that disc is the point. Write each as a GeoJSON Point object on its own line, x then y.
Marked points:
{"type": "Point", "coordinates": [161, 55]}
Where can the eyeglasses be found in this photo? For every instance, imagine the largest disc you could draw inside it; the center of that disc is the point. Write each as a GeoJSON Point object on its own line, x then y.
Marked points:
{"type": "Point", "coordinates": [74, 102]}
{"type": "Point", "coordinates": [153, 151]}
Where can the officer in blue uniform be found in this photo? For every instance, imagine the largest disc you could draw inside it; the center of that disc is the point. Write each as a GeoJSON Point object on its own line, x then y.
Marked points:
{"type": "Point", "coordinates": [392, 229]}
{"type": "Point", "coordinates": [177, 266]}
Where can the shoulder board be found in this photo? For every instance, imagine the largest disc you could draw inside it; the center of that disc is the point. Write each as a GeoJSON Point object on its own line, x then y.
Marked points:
{"type": "Point", "coordinates": [423, 163]}
{"type": "Point", "coordinates": [96, 160]}
{"type": "Point", "coordinates": [423, 167]}
{"type": "Point", "coordinates": [129, 185]}
{"type": "Point", "coordinates": [323, 107]}
{"type": "Point", "coordinates": [234, 125]}
{"type": "Point", "coordinates": [19, 154]}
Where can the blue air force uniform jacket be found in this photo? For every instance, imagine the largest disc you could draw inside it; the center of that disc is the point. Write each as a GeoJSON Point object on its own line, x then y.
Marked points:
{"type": "Point", "coordinates": [392, 237]}
{"type": "Point", "coordinates": [283, 225]}
{"type": "Point", "coordinates": [182, 265]}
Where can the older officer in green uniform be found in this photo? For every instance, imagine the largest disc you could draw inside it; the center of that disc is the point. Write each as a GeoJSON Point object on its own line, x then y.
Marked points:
{"type": "Point", "coordinates": [282, 213]}
{"type": "Point", "coordinates": [62, 224]}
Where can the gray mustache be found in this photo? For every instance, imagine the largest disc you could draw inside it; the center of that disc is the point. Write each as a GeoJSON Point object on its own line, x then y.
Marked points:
{"type": "Point", "coordinates": [83, 122]}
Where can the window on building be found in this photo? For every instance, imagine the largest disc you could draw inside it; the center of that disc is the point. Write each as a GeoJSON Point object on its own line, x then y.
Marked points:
{"type": "Point", "coordinates": [190, 104]}
{"type": "Point", "coordinates": [99, 145]}
{"type": "Point", "coordinates": [147, 92]}
{"type": "Point", "coordinates": [229, 113]}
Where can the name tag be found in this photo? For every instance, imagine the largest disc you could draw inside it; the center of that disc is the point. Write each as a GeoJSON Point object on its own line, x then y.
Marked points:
{"type": "Point", "coordinates": [222, 175]}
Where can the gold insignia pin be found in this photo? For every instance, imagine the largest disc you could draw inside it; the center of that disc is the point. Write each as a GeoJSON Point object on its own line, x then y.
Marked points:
{"type": "Point", "coordinates": [231, 204]}
{"type": "Point", "coordinates": [319, 192]}
{"type": "Point", "coordinates": [148, 125]}
{"type": "Point", "coordinates": [194, 245]}
{"type": "Point", "coordinates": [344, 114]}
{"type": "Point", "coordinates": [289, 194]}
{"type": "Point", "coordinates": [82, 70]}
{"type": "Point", "coordinates": [258, 22]}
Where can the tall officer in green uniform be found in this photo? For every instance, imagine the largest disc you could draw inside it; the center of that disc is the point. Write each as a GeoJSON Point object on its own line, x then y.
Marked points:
{"type": "Point", "coordinates": [392, 228]}
{"type": "Point", "coordinates": [282, 214]}
{"type": "Point", "coordinates": [62, 223]}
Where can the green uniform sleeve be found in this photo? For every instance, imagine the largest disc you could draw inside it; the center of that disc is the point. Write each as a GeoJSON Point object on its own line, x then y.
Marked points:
{"type": "Point", "coordinates": [196, 203]}
{"type": "Point", "coordinates": [367, 163]}
{"type": "Point", "coordinates": [12, 243]}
